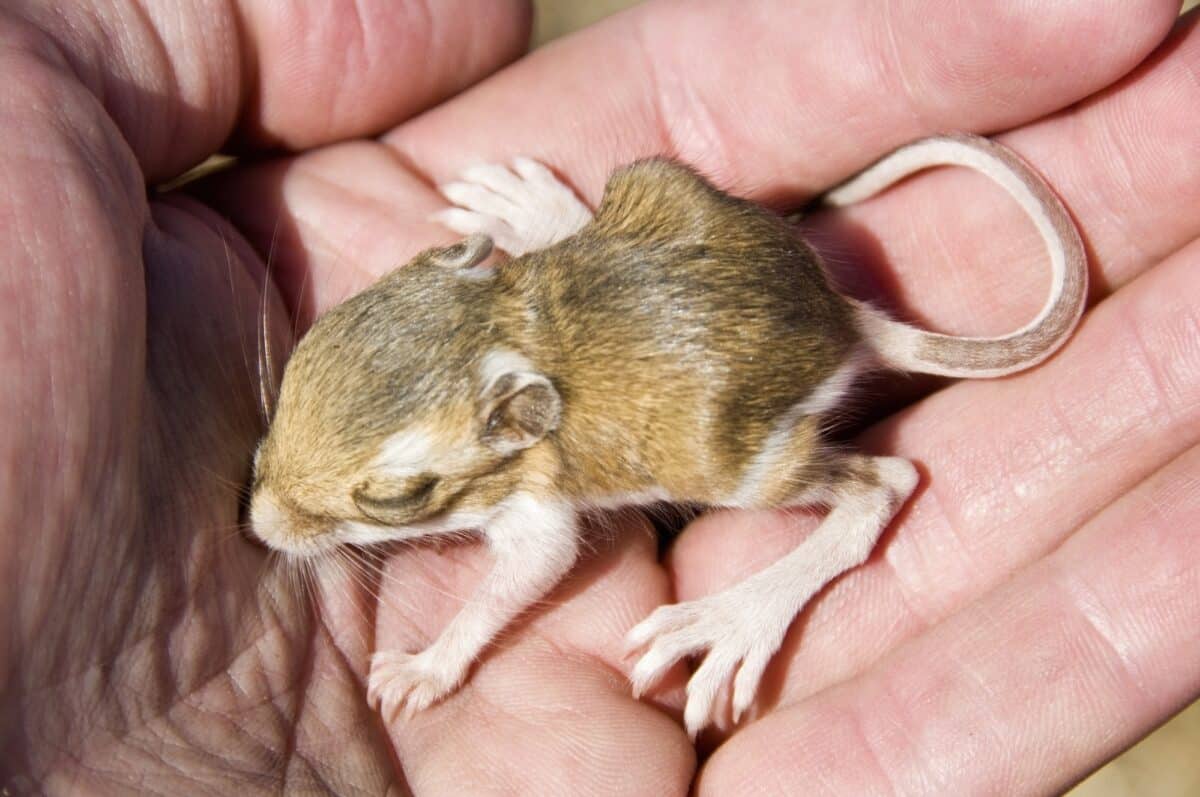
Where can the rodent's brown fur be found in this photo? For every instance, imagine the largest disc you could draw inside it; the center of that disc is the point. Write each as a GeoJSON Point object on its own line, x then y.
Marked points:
{"type": "Point", "coordinates": [677, 328]}
{"type": "Point", "coordinates": [678, 344]}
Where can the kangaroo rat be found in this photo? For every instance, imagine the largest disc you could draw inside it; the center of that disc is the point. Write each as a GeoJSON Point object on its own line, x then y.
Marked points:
{"type": "Point", "coordinates": [680, 345]}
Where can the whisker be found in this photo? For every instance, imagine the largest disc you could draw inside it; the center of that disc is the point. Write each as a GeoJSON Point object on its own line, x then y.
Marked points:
{"type": "Point", "coordinates": [300, 304]}
{"type": "Point", "coordinates": [233, 301]}
{"type": "Point", "coordinates": [368, 581]}
{"type": "Point", "coordinates": [266, 366]}
{"type": "Point", "coordinates": [240, 489]}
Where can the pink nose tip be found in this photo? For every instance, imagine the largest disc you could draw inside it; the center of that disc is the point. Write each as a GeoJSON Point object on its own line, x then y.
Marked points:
{"type": "Point", "coordinates": [284, 529]}
{"type": "Point", "coordinates": [267, 520]}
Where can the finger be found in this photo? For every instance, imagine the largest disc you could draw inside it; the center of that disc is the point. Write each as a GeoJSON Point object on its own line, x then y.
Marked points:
{"type": "Point", "coordinates": [547, 708]}
{"type": "Point", "coordinates": [1012, 467]}
{"type": "Point", "coordinates": [360, 212]}
{"type": "Point", "coordinates": [1023, 692]}
{"type": "Point", "coordinates": [330, 222]}
{"type": "Point", "coordinates": [179, 79]}
{"type": "Point", "coordinates": [778, 99]}
{"type": "Point", "coordinates": [404, 57]}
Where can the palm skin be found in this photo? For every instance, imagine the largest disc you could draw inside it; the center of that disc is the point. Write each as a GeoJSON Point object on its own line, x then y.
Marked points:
{"type": "Point", "coordinates": [1031, 613]}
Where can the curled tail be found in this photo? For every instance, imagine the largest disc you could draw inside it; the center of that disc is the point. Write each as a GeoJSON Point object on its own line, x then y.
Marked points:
{"type": "Point", "coordinates": [911, 349]}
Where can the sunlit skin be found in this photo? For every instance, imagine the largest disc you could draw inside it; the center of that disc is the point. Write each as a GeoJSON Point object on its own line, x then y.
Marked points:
{"type": "Point", "coordinates": [1031, 613]}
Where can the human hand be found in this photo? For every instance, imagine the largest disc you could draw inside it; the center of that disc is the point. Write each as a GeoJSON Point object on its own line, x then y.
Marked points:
{"type": "Point", "coordinates": [146, 646]}
{"type": "Point", "coordinates": [1033, 610]}
{"type": "Point", "coordinates": [167, 660]}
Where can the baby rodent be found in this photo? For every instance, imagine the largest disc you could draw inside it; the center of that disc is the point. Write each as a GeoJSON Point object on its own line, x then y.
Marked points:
{"type": "Point", "coordinates": [680, 345]}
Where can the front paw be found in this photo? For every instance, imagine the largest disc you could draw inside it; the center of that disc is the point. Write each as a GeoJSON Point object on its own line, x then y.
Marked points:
{"type": "Point", "coordinates": [409, 682]}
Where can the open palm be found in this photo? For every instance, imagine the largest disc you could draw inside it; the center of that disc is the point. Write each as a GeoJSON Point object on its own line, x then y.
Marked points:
{"type": "Point", "coordinates": [1031, 613]}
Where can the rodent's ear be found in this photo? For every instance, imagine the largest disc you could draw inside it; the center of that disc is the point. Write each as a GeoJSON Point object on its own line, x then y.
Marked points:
{"type": "Point", "coordinates": [519, 408]}
{"type": "Point", "coordinates": [467, 253]}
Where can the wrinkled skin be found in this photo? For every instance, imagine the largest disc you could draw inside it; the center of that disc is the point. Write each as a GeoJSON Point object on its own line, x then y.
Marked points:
{"type": "Point", "coordinates": [1030, 614]}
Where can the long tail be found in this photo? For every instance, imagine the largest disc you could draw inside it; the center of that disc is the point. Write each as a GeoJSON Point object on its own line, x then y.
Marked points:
{"type": "Point", "coordinates": [911, 349]}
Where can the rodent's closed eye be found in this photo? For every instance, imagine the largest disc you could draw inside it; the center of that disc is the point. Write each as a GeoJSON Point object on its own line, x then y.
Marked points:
{"type": "Point", "coordinates": [381, 501]}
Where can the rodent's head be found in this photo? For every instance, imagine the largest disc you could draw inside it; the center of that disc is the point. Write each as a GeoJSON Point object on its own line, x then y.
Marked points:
{"type": "Point", "coordinates": [401, 413]}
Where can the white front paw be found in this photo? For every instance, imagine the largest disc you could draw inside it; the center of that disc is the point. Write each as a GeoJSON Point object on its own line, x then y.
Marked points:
{"type": "Point", "coordinates": [523, 207]}
{"type": "Point", "coordinates": [734, 641]}
{"type": "Point", "coordinates": [409, 682]}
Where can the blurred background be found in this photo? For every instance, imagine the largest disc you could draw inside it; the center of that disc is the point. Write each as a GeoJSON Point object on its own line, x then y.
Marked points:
{"type": "Point", "coordinates": [1167, 763]}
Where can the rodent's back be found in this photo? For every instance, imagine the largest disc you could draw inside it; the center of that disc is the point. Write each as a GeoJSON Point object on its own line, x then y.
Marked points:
{"type": "Point", "coordinates": [680, 325]}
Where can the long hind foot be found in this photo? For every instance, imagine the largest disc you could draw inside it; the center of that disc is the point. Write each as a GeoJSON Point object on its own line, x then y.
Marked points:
{"type": "Point", "coordinates": [522, 207]}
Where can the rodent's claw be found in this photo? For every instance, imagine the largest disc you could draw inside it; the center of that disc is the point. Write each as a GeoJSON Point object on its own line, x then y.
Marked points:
{"type": "Point", "coordinates": [735, 644]}
{"type": "Point", "coordinates": [407, 683]}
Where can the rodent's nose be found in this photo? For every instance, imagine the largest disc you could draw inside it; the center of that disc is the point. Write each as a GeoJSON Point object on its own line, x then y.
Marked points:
{"type": "Point", "coordinates": [284, 529]}
{"type": "Point", "coordinates": [267, 521]}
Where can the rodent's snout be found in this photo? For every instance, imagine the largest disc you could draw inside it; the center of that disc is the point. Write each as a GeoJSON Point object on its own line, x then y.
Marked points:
{"type": "Point", "coordinates": [277, 528]}
{"type": "Point", "coordinates": [267, 521]}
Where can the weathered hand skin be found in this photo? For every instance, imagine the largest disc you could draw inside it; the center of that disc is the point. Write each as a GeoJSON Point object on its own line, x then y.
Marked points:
{"type": "Point", "coordinates": [145, 648]}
